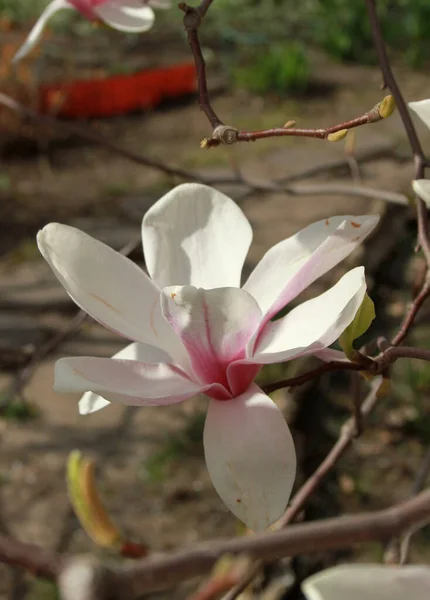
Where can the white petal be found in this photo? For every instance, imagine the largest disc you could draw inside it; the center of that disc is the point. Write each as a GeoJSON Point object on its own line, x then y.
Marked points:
{"type": "Point", "coordinates": [107, 285]}
{"type": "Point", "coordinates": [36, 32]}
{"type": "Point", "coordinates": [292, 265]}
{"type": "Point", "coordinates": [90, 402]}
{"type": "Point", "coordinates": [422, 109]}
{"type": "Point", "coordinates": [128, 15]}
{"type": "Point", "coordinates": [196, 236]}
{"type": "Point", "coordinates": [422, 189]}
{"type": "Point", "coordinates": [250, 457]}
{"type": "Point", "coordinates": [214, 326]}
{"type": "Point", "coordinates": [369, 582]}
{"type": "Point", "coordinates": [315, 324]}
{"type": "Point", "coordinates": [126, 381]}
{"type": "Point", "coordinates": [330, 355]}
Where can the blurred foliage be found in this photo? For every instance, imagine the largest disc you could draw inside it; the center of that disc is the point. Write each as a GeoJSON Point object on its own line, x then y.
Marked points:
{"type": "Point", "coordinates": [17, 410]}
{"type": "Point", "coordinates": [341, 27]}
{"type": "Point", "coordinates": [18, 11]}
{"type": "Point", "coordinates": [280, 69]}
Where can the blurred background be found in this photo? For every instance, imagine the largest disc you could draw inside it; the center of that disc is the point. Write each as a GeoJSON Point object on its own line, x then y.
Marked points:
{"type": "Point", "coordinates": [269, 61]}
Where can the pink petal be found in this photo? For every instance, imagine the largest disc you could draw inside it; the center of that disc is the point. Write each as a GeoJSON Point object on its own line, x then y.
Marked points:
{"type": "Point", "coordinates": [250, 457]}
{"type": "Point", "coordinates": [292, 265]}
{"type": "Point", "coordinates": [214, 326]}
{"type": "Point", "coordinates": [315, 324]}
{"type": "Point", "coordinates": [86, 7]}
{"type": "Point", "coordinates": [126, 381]}
{"type": "Point", "coordinates": [196, 236]}
{"type": "Point", "coordinates": [90, 402]}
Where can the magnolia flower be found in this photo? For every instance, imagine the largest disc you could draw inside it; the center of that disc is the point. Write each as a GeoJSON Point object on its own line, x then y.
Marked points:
{"type": "Point", "coordinates": [422, 186]}
{"type": "Point", "coordinates": [369, 582]}
{"type": "Point", "coordinates": [125, 15]}
{"type": "Point", "coordinates": [196, 331]}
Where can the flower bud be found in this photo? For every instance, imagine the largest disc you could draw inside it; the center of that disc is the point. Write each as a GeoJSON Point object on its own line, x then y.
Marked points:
{"type": "Point", "coordinates": [337, 136]}
{"type": "Point", "coordinates": [87, 505]}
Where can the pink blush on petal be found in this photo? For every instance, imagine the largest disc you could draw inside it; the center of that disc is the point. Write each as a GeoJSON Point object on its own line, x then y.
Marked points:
{"type": "Point", "coordinates": [86, 7]}
{"type": "Point", "coordinates": [240, 375]}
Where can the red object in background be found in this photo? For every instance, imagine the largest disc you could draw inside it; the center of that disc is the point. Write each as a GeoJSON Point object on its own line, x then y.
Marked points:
{"type": "Point", "coordinates": [117, 95]}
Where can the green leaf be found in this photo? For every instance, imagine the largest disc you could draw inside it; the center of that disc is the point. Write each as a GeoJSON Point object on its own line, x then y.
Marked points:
{"type": "Point", "coordinates": [360, 324]}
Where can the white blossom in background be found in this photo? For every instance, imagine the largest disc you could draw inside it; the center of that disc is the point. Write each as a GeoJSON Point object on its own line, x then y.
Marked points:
{"type": "Point", "coordinates": [369, 582]}
{"type": "Point", "coordinates": [195, 330]}
{"type": "Point", "coordinates": [422, 186]}
{"type": "Point", "coordinates": [126, 15]}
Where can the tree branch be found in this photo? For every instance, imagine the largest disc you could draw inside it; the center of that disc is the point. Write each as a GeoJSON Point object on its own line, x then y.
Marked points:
{"type": "Point", "coordinates": [160, 572]}
{"type": "Point", "coordinates": [30, 557]}
{"type": "Point", "coordinates": [305, 377]}
{"type": "Point", "coordinates": [133, 580]}
{"type": "Point", "coordinates": [419, 158]}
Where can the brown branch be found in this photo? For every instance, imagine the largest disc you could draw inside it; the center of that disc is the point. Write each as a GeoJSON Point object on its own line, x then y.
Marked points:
{"type": "Point", "coordinates": [376, 366]}
{"type": "Point", "coordinates": [356, 403]}
{"type": "Point", "coordinates": [192, 20]}
{"type": "Point", "coordinates": [419, 158]}
{"type": "Point", "coordinates": [157, 573]}
{"type": "Point", "coordinates": [305, 377]}
{"type": "Point", "coordinates": [392, 353]}
{"type": "Point", "coordinates": [371, 116]}
{"type": "Point", "coordinates": [390, 80]}
{"type": "Point", "coordinates": [225, 134]}
{"type": "Point", "coordinates": [163, 571]}
{"type": "Point", "coordinates": [412, 312]}
{"type": "Point", "coordinates": [30, 557]}
{"type": "Point", "coordinates": [204, 6]}
{"type": "Point", "coordinates": [133, 580]}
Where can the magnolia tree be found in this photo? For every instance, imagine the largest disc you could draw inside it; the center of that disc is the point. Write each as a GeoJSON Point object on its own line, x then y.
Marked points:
{"type": "Point", "coordinates": [192, 328]}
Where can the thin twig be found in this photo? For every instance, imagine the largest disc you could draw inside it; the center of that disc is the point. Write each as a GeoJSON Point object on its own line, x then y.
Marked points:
{"type": "Point", "coordinates": [305, 377]}
{"type": "Point", "coordinates": [321, 133]}
{"type": "Point", "coordinates": [226, 134]}
{"type": "Point", "coordinates": [412, 312]}
{"type": "Point", "coordinates": [192, 21]}
{"type": "Point", "coordinates": [356, 403]}
{"type": "Point", "coordinates": [377, 365]}
{"type": "Point", "coordinates": [419, 159]}
{"type": "Point", "coordinates": [30, 557]}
